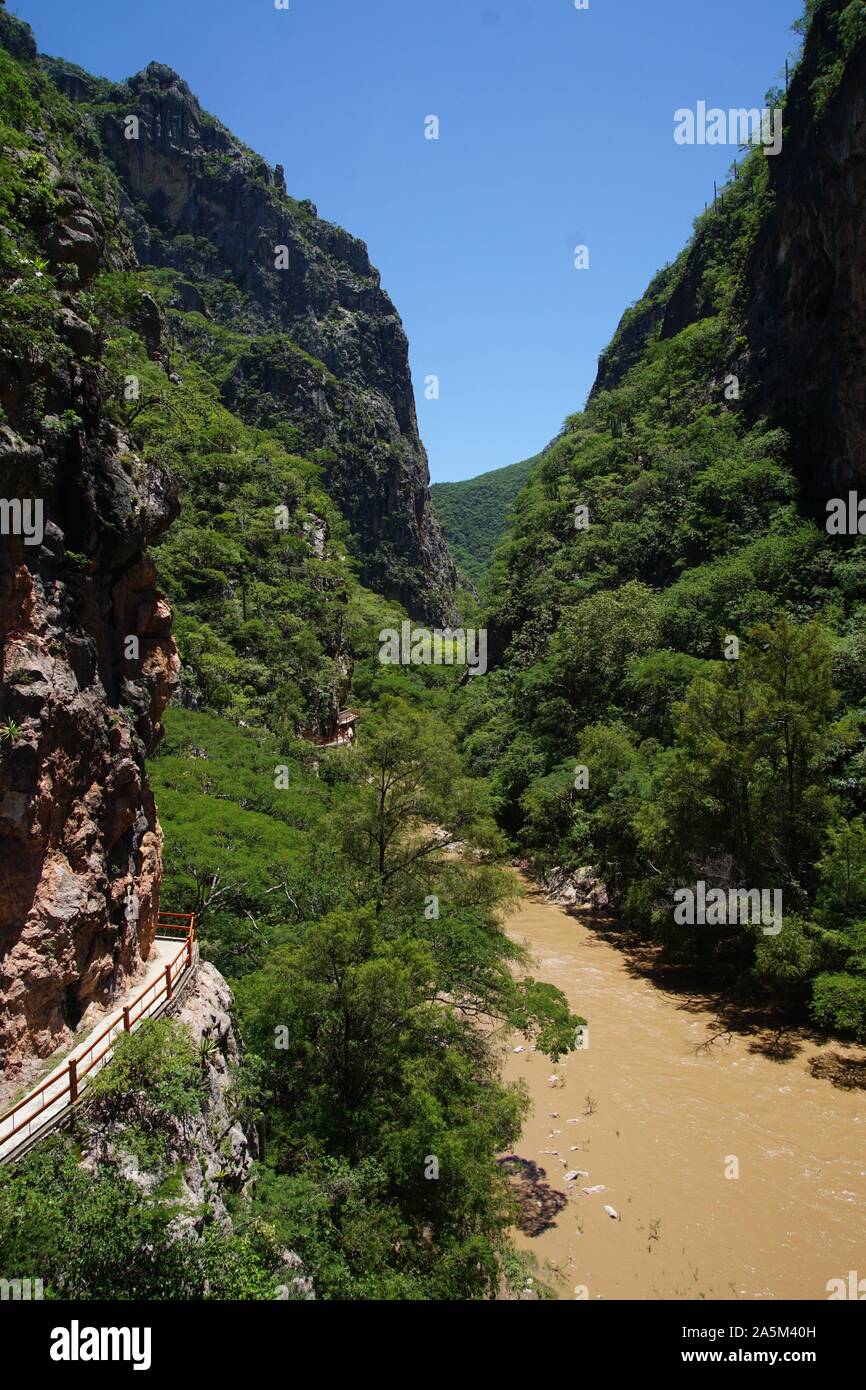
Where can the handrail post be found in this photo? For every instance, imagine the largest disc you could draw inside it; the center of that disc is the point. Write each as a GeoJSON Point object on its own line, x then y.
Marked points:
{"type": "Point", "coordinates": [74, 1076]}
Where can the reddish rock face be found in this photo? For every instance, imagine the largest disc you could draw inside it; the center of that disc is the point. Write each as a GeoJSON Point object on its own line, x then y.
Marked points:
{"type": "Point", "coordinates": [80, 845]}
{"type": "Point", "coordinates": [80, 702]}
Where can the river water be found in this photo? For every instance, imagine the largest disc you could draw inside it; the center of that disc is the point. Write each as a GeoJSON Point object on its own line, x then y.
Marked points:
{"type": "Point", "coordinates": [659, 1109]}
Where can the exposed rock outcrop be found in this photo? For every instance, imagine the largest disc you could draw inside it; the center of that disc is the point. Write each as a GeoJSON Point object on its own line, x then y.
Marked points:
{"type": "Point", "coordinates": [802, 300]}
{"type": "Point", "coordinates": [88, 662]}
{"type": "Point", "coordinates": [225, 1143]}
{"type": "Point", "coordinates": [327, 352]}
{"type": "Point", "coordinates": [806, 315]}
{"type": "Point", "coordinates": [212, 1152]}
{"type": "Point", "coordinates": [576, 888]}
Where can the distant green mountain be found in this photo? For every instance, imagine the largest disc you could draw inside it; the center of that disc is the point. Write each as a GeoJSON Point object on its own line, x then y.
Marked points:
{"type": "Point", "coordinates": [474, 514]}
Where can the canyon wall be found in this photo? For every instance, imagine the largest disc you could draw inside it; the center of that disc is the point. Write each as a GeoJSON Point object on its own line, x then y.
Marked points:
{"type": "Point", "coordinates": [80, 703]}
{"type": "Point", "coordinates": [801, 302]}
{"type": "Point", "coordinates": [320, 347]}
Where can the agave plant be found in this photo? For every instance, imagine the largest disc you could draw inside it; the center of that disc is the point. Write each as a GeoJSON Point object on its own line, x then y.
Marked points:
{"type": "Point", "coordinates": [207, 1050]}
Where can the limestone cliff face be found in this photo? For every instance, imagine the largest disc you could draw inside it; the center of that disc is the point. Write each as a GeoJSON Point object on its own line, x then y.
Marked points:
{"type": "Point", "coordinates": [327, 353]}
{"type": "Point", "coordinates": [80, 705]}
{"type": "Point", "coordinates": [80, 862]}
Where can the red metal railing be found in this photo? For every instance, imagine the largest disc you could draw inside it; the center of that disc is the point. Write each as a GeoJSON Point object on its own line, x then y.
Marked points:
{"type": "Point", "coordinates": [63, 1089]}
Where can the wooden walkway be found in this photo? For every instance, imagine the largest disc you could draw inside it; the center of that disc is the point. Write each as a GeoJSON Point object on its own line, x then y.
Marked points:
{"type": "Point", "coordinates": [37, 1113]}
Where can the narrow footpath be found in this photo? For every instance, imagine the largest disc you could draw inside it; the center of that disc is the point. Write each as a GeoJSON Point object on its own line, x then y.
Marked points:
{"type": "Point", "coordinates": [56, 1093]}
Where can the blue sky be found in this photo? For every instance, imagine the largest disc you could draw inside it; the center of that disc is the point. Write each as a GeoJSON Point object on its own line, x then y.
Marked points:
{"type": "Point", "coordinates": [556, 129]}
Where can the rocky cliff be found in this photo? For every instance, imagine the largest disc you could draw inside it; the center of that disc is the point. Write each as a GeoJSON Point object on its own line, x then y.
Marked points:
{"type": "Point", "coordinates": [801, 297]}
{"type": "Point", "coordinates": [320, 347]}
{"type": "Point", "coordinates": [88, 659]}
{"type": "Point", "coordinates": [805, 314]}
{"type": "Point", "coordinates": [209, 1153]}
{"type": "Point", "coordinates": [213, 1150]}
{"type": "Point", "coordinates": [109, 192]}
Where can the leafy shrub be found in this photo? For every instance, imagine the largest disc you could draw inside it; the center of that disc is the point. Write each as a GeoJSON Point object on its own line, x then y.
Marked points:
{"type": "Point", "coordinates": [154, 1075]}
{"type": "Point", "coordinates": [839, 1003]}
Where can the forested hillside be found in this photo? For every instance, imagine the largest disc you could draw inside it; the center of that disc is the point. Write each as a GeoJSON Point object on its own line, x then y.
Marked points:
{"type": "Point", "coordinates": [283, 311]}
{"type": "Point", "coordinates": [624, 729]}
{"type": "Point", "coordinates": [226, 443]}
{"type": "Point", "coordinates": [279, 1145]}
{"type": "Point", "coordinates": [474, 513]}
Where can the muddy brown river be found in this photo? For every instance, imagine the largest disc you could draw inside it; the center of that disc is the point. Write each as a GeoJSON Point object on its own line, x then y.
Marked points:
{"type": "Point", "coordinates": [667, 1103]}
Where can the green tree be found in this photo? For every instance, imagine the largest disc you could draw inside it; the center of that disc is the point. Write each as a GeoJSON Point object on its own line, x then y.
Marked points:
{"type": "Point", "coordinates": [745, 775]}
{"type": "Point", "coordinates": [407, 779]}
{"type": "Point", "coordinates": [365, 1065]}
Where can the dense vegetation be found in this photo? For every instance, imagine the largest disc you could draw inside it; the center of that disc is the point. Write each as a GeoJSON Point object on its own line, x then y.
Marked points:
{"type": "Point", "coordinates": [475, 513]}
{"type": "Point", "coordinates": [663, 523]}
{"type": "Point", "coordinates": [371, 973]}
{"type": "Point", "coordinates": [364, 956]}
{"type": "Point", "coordinates": [268, 608]}
{"type": "Point", "coordinates": [372, 976]}
{"type": "Point", "coordinates": [355, 940]}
